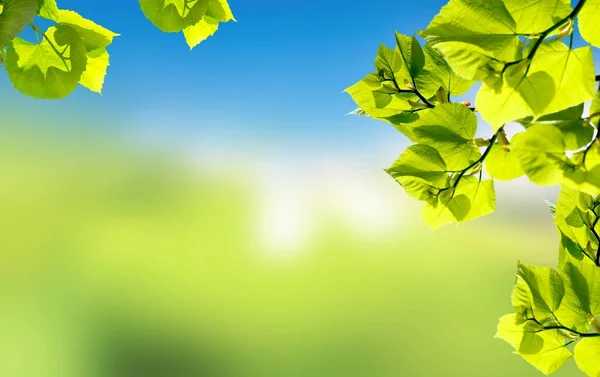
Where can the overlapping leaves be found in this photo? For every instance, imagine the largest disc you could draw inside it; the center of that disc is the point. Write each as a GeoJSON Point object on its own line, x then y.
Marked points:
{"type": "Point", "coordinates": [441, 169]}
{"type": "Point", "coordinates": [560, 148]}
{"type": "Point", "coordinates": [197, 19]}
{"type": "Point", "coordinates": [526, 76]}
{"type": "Point", "coordinates": [407, 82]}
{"type": "Point", "coordinates": [502, 43]}
{"type": "Point", "coordinates": [555, 308]}
{"type": "Point", "coordinates": [75, 50]}
{"type": "Point", "coordinates": [71, 52]}
{"type": "Point", "coordinates": [522, 52]}
{"type": "Point", "coordinates": [555, 79]}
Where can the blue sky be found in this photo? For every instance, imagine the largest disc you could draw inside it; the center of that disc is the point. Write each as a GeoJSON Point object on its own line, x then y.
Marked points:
{"type": "Point", "coordinates": [272, 80]}
{"type": "Point", "coordinates": [277, 74]}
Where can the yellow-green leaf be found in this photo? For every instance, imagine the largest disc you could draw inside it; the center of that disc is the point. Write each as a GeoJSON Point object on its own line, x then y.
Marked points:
{"type": "Point", "coordinates": [40, 70]}
{"type": "Point", "coordinates": [95, 70]}
{"type": "Point", "coordinates": [587, 356]}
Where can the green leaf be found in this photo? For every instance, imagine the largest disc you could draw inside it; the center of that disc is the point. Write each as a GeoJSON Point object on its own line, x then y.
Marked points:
{"type": "Point", "coordinates": [420, 170]}
{"type": "Point", "coordinates": [572, 71]}
{"type": "Point", "coordinates": [40, 71]}
{"type": "Point", "coordinates": [93, 35]}
{"type": "Point", "coordinates": [390, 66]}
{"type": "Point", "coordinates": [472, 198]}
{"type": "Point", "coordinates": [571, 220]}
{"type": "Point", "coordinates": [538, 292]}
{"type": "Point", "coordinates": [576, 132]}
{"type": "Point", "coordinates": [173, 16]}
{"type": "Point", "coordinates": [589, 22]}
{"type": "Point", "coordinates": [585, 176]}
{"type": "Point", "coordinates": [382, 103]}
{"type": "Point", "coordinates": [535, 16]}
{"type": "Point", "coordinates": [437, 73]}
{"type": "Point", "coordinates": [48, 9]}
{"type": "Point", "coordinates": [96, 38]}
{"type": "Point", "coordinates": [411, 53]}
{"type": "Point", "coordinates": [582, 299]}
{"type": "Point", "coordinates": [503, 164]}
{"type": "Point", "coordinates": [587, 354]}
{"type": "Point", "coordinates": [558, 78]}
{"type": "Point", "coordinates": [220, 11]}
{"type": "Point", "coordinates": [511, 328]}
{"type": "Point", "coordinates": [449, 128]}
{"type": "Point", "coordinates": [471, 34]}
{"type": "Point", "coordinates": [199, 32]}
{"type": "Point", "coordinates": [544, 349]}
{"type": "Point", "coordinates": [95, 70]}
{"type": "Point", "coordinates": [541, 153]}
{"type": "Point", "coordinates": [514, 96]}
{"type": "Point", "coordinates": [16, 14]}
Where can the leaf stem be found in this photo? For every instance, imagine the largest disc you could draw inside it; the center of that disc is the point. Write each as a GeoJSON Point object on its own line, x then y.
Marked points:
{"type": "Point", "coordinates": [543, 35]}
{"type": "Point", "coordinates": [414, 91]}
{"type": "Point", "coordinates": [472, 165]}
{"type": "Point", "coordinates": [561, 327]}
{"type": "Point", "coordinates": [60, 55]}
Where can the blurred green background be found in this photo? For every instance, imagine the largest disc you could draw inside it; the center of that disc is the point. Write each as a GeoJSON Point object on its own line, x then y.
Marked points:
{"type": "Point", "coordinates": [121, 260]}
{"type": "Point", "coordinates": [214, 214]}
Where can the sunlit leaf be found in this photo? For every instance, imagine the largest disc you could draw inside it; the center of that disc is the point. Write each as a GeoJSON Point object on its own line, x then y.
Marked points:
{"type": "Point", "coordinates": [174, 15]}
{"type": "Point", "coordinates": [558, 78]}
{"type": "Point", "coordinates": [541, 153]}
{"type": "Point", "coordinates": [41, 70]}
{"type": "Point", "coordinates": [95, 70]}
{"type": "Point", "coordinates": [503, 164]}
{"type": "Point", "coordinates": [15, 15]}
{"type": "Point", "coordinates": [589, 22]}
{"type": "Point", "coordinates": [587, 354]}
{"type": "Point", "coordinates": [449, 128]}
{"type": "Point", "coordinates": [472, 34]}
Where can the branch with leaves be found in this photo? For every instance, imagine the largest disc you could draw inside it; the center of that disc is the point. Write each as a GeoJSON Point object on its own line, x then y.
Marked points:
{"type": "Point", "coordinates": [526, 69]}
{"type": "Point", "coordinates": [74, 52]}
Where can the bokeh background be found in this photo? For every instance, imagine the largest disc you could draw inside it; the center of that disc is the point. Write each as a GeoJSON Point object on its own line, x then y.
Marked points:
{"type": "Point", "coordinates": [214, 213]}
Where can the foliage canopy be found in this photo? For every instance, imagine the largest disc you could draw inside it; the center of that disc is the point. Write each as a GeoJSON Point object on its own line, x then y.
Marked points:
{"type": "Point", "coordinates": [522, 59]}
{"type": "Point", "coordinates": [74, 52]}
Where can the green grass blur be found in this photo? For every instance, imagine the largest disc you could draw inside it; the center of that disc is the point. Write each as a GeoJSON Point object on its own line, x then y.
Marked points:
{"type": "Point", "coordinates": [117, 262]}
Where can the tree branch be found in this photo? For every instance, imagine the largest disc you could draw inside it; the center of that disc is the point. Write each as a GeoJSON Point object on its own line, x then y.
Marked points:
{"type": "Point", "coordinates": [546, 33]}
{"type": "Point", "coordinates": [480, 160]}
{"type": "Point", "coordinates": [561, 327]}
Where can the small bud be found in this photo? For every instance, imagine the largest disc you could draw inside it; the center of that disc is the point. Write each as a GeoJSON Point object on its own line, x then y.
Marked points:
{"type": "Point", "coordinates": [466, 103]}
{"type": "Point", "coordinates": [477, 168]}
{"type": "Point", "coordinates": [417, 105]}
{"type": "Point", "coordinates": [442, 95]}
{"type": "Point", "coordinates": [478, 142]}
{"type": "Point", "coordinates": [502, 138]}
{"type": "Point", "coordinates": [594, 322]}
{"type": "Point", "coordinates": [565, 31]}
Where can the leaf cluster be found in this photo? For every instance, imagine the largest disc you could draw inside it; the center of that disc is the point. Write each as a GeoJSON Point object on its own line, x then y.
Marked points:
{"type": "Point", "coordinates": [73, 51]}
{"type": "Point", "coordinates": [520, 59]}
